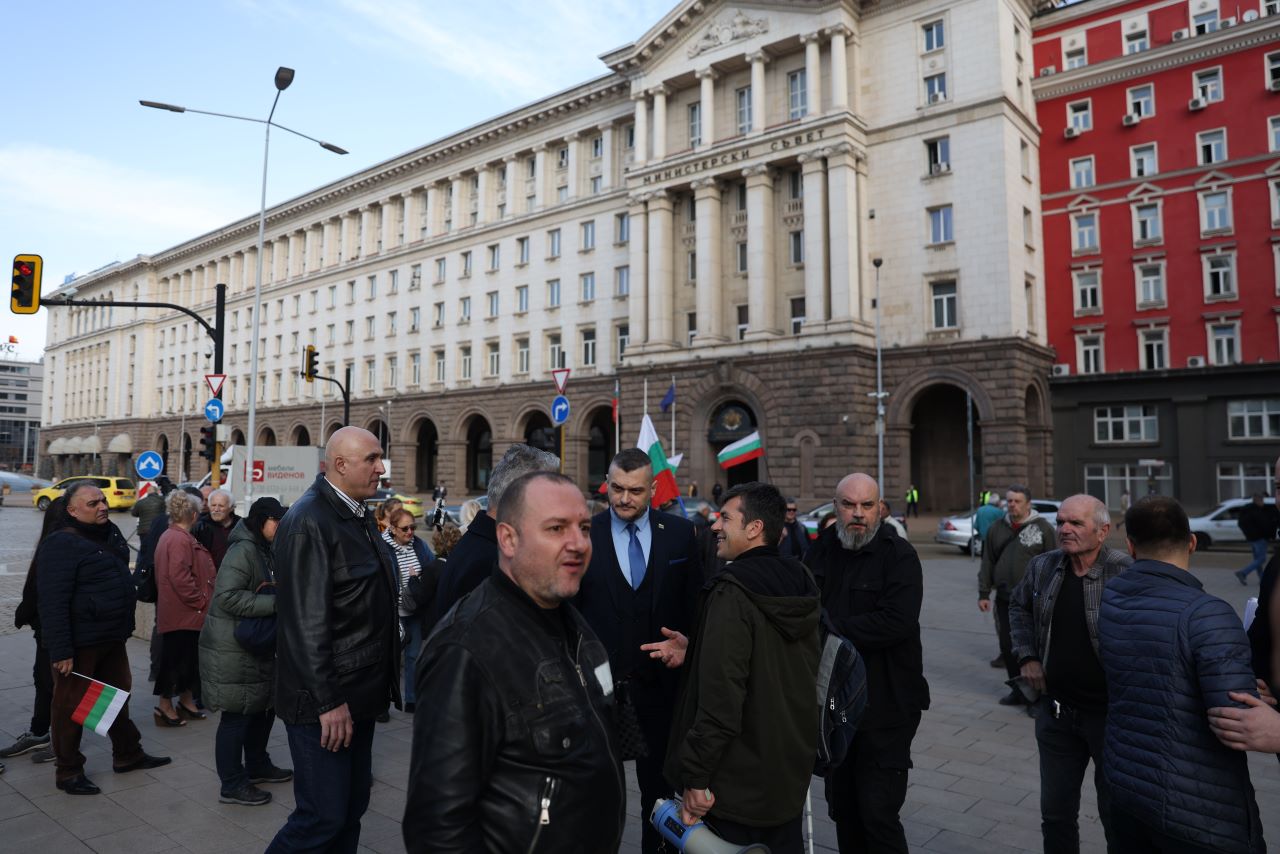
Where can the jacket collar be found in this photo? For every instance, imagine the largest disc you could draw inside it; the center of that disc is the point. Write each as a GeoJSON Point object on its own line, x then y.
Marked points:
{"type": "Point", "coordinates": [484, 527]}
{"type": "Point", "coordinates": [330, 494]}
{"type": "Point", "coordinates": [1168, 571]}
{"type": "Point", "coordinates": [1106, 557]}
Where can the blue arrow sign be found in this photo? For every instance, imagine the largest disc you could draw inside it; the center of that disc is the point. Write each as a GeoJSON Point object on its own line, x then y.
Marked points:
{"type": "Point", "coordinates": [560, 409]}
{"type": "Point", "coordinates": [213, 410]}
{"type": "Point", "coordinates": [149, 465]}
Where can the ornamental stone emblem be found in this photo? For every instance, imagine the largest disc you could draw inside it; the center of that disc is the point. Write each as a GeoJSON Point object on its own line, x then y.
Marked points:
{"type": "Point", "coordinates": [719, 34]}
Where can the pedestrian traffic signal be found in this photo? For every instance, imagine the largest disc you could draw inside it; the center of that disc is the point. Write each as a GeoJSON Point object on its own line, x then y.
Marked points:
{"type": "Point", "coordinates": [310, 363]}
{"type": "Point", "coordinates": [25, 298]}
{"type": "Point", "coordinates": [207, 442]}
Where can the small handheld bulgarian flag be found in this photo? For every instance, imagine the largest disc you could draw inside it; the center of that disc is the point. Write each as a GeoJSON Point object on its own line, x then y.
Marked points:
{"type": "Point", "coordinates": [740, 451]}
{"type": "Point", "coordinates": [99, 706]}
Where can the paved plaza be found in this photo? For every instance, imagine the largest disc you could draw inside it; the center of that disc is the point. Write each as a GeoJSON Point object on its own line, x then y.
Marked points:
{"type": "Point", "coordinates": [975, 786]}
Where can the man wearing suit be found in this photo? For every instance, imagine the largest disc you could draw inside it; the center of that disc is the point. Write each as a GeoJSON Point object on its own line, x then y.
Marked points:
{"type": "Point", "coordinates": [638, 595]}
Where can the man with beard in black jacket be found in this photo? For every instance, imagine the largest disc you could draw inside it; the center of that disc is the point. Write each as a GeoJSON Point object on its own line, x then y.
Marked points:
{"type": "Point", "coordinates": [745, 732]}
{"type": "Point", "coordinates": [872, 586]}
{"type": "Point", "coordinates": [512, 746]}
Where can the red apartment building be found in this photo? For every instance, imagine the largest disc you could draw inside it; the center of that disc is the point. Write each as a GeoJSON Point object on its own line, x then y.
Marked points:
{"type": "Point", "coordinates": [1160, 181]}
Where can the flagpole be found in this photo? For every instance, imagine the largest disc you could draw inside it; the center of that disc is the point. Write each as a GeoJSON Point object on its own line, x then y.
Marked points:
{"type": "Point", "coordinates": [617, 417]}
{"type": "Point", "coordinates": [646, 395]}
{"type": "Point", "coordinates": [673, 417]}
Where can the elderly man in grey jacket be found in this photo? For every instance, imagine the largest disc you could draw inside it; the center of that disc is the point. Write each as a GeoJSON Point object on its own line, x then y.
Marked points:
{"type": "Point", "coordinates": [1053, 614]}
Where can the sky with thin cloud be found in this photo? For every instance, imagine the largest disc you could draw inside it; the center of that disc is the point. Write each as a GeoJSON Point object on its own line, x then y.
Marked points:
{"type": "Point", "coordinates": [90, 177]}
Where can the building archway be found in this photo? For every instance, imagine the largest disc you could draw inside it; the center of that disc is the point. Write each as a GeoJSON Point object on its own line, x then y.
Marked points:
{"type": "Point", "coordinates": [266, 438]}
{"type": "Point", "coordinates": [600, 445]}
{"type": "Point", "coordinates": [539, 433]}
{"type": "Point", "coordinates": [301, 436]}
{"type": "Point", "coordinates": [428, 455]}
{"type": "Point", "coordinates": [731, 421]}
{"type": "Point", "coordinates": [479, 453]}
{"type": "Point", "coordinates": [1038, 443]}
{"type": "Point", "coordinates": [162, 448]}
{"type": "Point", "coordinates": [939, 448]}
{"type": "Point", "coordinates": [333, 427]}
{"type": "Point", "coordinates": [237, 436]}
{"type": "Point", "coordinates": [378, 427]}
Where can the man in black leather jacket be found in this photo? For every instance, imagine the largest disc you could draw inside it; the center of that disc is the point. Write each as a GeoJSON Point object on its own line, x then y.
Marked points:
{"type": "Point", "coordinates": [337, 644]}
{"type": "Point", "coordinates": [512, 746]}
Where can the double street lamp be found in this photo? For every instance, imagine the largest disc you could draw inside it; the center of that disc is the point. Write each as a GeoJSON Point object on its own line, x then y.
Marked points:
{"type": "Point", "coordinates": [284, 77]}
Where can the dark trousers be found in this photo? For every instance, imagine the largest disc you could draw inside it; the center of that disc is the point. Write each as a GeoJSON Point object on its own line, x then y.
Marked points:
{"type": "Point", "coordinates": [331, 790]}
{"type": "Point", "coordinates": [1133, 836]}
{"type": "Point", "coordinates": [913, 509]}
{"type": "Point", "coordinates": [42, 675]}
{"type": "Point", "coordinates": [242, 735]}
{"type": "Point", "coordinates": [784, 839]}
{"type": "Point", "coordinates": [866, 792]}
{"type": "Point", "coordinates": [1002, 632]}
{"type": "Point", "coordinates": [1066, 744]}
{"type": "Point", "coordinates": [653, 710]}
{"type": "Point", "coordinates": [106, 662]}
{"type": "Point", "coordinates": [412, 646]}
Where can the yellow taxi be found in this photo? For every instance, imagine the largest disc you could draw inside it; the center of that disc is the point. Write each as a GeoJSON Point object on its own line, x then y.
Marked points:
{"type": "Point", "coordinates": [120, 491]}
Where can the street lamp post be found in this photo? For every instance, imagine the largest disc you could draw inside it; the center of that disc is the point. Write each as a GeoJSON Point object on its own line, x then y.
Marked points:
{"type": "Point", "coordinates": [879, 393]}
{"type": "Point", "coordinates": [284, 77]}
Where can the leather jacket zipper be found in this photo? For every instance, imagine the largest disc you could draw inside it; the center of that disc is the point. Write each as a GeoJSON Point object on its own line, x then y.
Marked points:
{"type": "Point", "coordinates": [549, 785]}
{"type": "Point", "coordinates": [608, 746]}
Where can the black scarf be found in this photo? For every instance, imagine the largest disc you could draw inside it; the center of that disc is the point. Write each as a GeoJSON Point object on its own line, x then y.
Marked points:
{"type": "Point", "coordinates": [97, 533]}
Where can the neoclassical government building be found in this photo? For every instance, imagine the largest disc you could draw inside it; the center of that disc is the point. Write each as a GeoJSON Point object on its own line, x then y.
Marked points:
{"type": "Point", "coordinates": [716, 207]}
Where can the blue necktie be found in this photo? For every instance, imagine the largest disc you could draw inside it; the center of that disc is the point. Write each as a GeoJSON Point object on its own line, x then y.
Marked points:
{"type": "Point", "coordinates": [635, 557]}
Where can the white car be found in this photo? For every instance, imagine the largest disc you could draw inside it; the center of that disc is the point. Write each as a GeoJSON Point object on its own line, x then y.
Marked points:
{"type": "Point", "coordinates": [1221, 524]}
{"type": "Point", "coordinates": [958, 530]}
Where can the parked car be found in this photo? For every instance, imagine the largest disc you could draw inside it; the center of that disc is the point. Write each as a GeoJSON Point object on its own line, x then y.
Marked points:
{"type": "Point", "coordinates": [812, 518]}
{"type": "Point", "coordinates": [411, 503]}
{"type": "Point", "coordinates": [958, 530]}
{"type": "Point", "coordinates": [118, 490]}
{"type": "Point", "coordinates": [693, 505]}
{"type": "Point", "coordinates": [1220, 524]}
{"type": "Point", "coordinates": [455, 510]}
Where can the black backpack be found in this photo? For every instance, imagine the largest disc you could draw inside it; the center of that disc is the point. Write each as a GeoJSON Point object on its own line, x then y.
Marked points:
{"type": "Point", "coordinates": [842, 696]}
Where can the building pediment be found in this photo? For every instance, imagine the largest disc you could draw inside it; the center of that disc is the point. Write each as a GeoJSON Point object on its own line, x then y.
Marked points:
{"type": "Point", "coordinates": [1083, 201]}
{"type": "Point", "coordinates": [1144, 189]}
{"type": "Point", "coordinates": [726, 31]}
{"type": "Point", "coordinates": [1214, 177]}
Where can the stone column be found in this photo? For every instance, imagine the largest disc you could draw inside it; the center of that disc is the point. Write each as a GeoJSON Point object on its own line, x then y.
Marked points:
{"type": "Point", "coordinates": [368, 232]}
{"type": "Point", "coordinates": [642, 127]}
{"type": "Point", "coordinates": [571, 141]}
{"type": "Point", "coordinates": [539, 176]}
{"type": "Point", "coordinates": [311, 249]}
{"type": "Point", "coordinates": [762, 285]}
{"type": "Point", "coordinates": [458, 202]}
{"type": "Point", "coordinates": [330, 249]}
{"type": "Point", "coordinates": [234, 272]}
{"type": "Point", "coordinates": [435, 210]}
{"type": "Point", "coordinates": [758, 61]}
{"type": "Point", "coordinates": [707, 110]}
{"type": "Point", "coordinates": [484, 174]}
{"type": "Point", "coordinates": [661, 274]}
{"type": "Point", "coordinates": [413, 216]}
{"type": "Point", "coordinates": [812, 74]}
{"type": "Point", "coordinates": [659, 122]}
{"type": "Point", "coordinates": [392, 211]}
{"type": "Point", "coordinates": [843, 236]}
{"type": "Point", "coordinates": [815, 238]}
{"type": "Point", "coordinates": [839, 69]}
{"type": "Point", "coordinates": [512, 164]}
{"type": "Point", "coordinates": [638, 301]}
{"type": "Point", "coordinates": [606, 158]}
{"type": "Point", "coordinates": [296, 262]}
{"type": "Point", "coordinates": [280, 257]}
{"type": "Point", "coordinates": [708, 241]}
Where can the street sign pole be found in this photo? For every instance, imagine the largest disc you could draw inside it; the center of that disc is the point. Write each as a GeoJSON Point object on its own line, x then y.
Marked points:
{"type": "Point", "coordinates": [219, 316]}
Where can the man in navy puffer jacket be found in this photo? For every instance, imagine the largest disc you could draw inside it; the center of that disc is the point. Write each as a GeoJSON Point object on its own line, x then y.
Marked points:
{"type": "Point", "coordinates": [1171, 652]}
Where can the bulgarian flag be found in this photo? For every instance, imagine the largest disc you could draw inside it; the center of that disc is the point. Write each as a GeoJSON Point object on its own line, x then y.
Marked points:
{"type": "Point", "coordinates": [101, 703]}
{"type": "Point", "coordinates": [664, 477]}
{"type": "Point", "coordinates": [741, 451]}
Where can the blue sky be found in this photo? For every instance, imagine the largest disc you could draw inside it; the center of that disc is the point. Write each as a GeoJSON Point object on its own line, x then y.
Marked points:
{"type": "Point", "coordinates": [89, 177]}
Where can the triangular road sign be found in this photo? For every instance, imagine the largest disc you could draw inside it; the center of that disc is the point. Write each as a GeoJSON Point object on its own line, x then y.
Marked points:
{"type": "Point", "coordinates": [215, 382]}
{"type": "Point", "coordinates": [561, 376]}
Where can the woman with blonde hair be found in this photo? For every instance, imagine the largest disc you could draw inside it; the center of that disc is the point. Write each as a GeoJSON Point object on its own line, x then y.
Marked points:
{"type": "Point", "coordinates": [184, 585]}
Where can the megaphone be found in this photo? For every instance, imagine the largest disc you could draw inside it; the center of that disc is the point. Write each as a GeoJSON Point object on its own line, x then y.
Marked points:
{"type": "Point", "coordinates": [695, 839]}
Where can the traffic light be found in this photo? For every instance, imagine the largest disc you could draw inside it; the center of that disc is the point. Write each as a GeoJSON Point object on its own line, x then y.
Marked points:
{"type": "Point", "coordinates": [310, 363]}
{"type": "Point", "coordinates": [26, 284]}
{"type": "Point", "coordinates": [207, 441]}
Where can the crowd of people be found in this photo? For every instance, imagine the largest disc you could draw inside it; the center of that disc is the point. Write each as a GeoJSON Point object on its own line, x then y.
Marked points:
{"type": "Point", "coordinates": [543, 646]}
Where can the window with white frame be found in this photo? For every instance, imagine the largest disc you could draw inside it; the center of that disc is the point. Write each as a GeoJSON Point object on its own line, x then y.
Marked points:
{"type": "Point", "coordinates": [393, 372]}
{"type": "Point", "coordinates": [555, 354]}
{"type": "Point", "coordinates": [1242, 480]}
{"type": "Point", "coordinates": [596, 185]}
{"type": "Point", "coordinates": [495, 256]}
{"type": "Point", "coordinates": [743, 109]}
{"type": "Point", "coordinates": [1271, 7]}
{"type": "Point", "coordinates": [622, 281]}
{"type": "Point", "coordinates": [437, 315]}
{"type": "Point", "coordinates": [695, 124]}
{"type": "Point", "coordinates": [935, 88]}
{"type": "Point", "coordinates": [1273, 131]}
{"type": "Point", "coordinates": [370, 374]}
{"type": "Point", "coordinates": [1082, 172]}
{"type": "Point", "coordinates": [690, 327]}
{"type": "Point", "coordinates": [943, 296]}
{"type": "Point", "coordinates": [1024, 158]}
{"type": "Point", "coordinates": [350, 330]}
{"type": "Point", "coordinates": [1142, 160]}
{"type": "Point", "coordinates": [588, 348]}
{"type": "Point", "coordinates": [439, 363]}
{"type": "Point", "coordinates": [464, 309]}
{"type": "Point", "coordinates": [587, 283]}
{"type": "Point", "coordinates": [934, 36]}
{"type": "Point", "coordinates": [1224, 343]}
{"type": "Point", "coordinates": [740, 251]}
{"type": "Point", "coordinates": [1150, 278]}
{"type": "Point", "coordinates": [797, 315]}
{"type": "Point", "coordinates": [1205, 22]}
{"type": "Point", "coordinates": [1153, 348]}
{"type": "Point", "coordinates": [938, 154]}
{"type": "Point", "coordinates": [415, 369]}
{"type": "Point", "coordinates": [1215, 211]}
{"type": "Point", "coordinates": [1212, 146]}
{"type": "Point", "coordinates": [1126, 424]}
{"type": "Point", "coordinates": [587, 234]}
{"type": "Point", "coordinates": [522, 298]}
{"type": "Point", "coordinates": [1028, 228]}
{"type": "Point", "coordinates": [1207, 84]}
{"type": "Point", "coordinates": [744, 321]}
{"type": "Point", "coordinates": [415, 277]}
{"type": "Point", "coordinates": [553, 293]}
{"type": "Point", "coordinates": [464, 363]}
{"type": "Point", "coordinates": [1080, 114]}
{"type": "Point", "coordinates": [621, 228]}
{"type": "Point", "coordinates": [493, 303]}
{"type": "Point", "coordinates": [796, 243]}
{"type": "Point", "coordinates": [1088, 291]}
{"type": "Point", "coordinates": [371, 291]}
{"type": "Point", "coordinates": [623, 338]}
{"type": "Point", "coordinates": [553, 243]}
{"type": "Point", "coordinates": [1273, 70]}
{"type": "Point", "coordinates": [691, 266]}
{"type": "Point", "coordinates": [940, 225]}
{"type": "Point", "coordinates": [441, 267]}
{"type": "Point", "coordinates": [629, 136]}
{"type": "Point", "coordinates": [1275, 204]}
{"type": "Point", "coordinates": [522, 355]}
{"type": "Point", "coordinates": [493, 359]}
{"type": "Point", "coordinates": [466, 264]}
{"type": "Point", "coordinates": [1084, 229]}
{"type": "Point", "coordinates": [1142, 100]}
{"type": "Point", "coordinates": [797, 95]}
{"type": "Point", "coordinates": [1089, 354]}
{"type": "Point", "coordinates": [1136, 42]}
{"type": "Point", "coordinates": [795, 185]}
{"type": "Point", "coordinates": [522, 250]}
{"type": "Point", "coordinates": [740, 196]}
{"type": "Point", "coordinates": [368, 328]}
{"type": "Point", "coordinates": [562, 193]}
{"type": "Point", "coordinates": [1075, 58]}
{"type": "Point", "coordinates": [1220, 276]}
{"type": "Point", "coordinates": [391, 323]}
{"type": "Point", "coordinates": [1146, 223]}
{"type": "Point", "coordinates": [562, 157]}
{"type": "Point", "coordinates": [1254, 419]}
{"type": "Point", "coordinates": [597, 147]}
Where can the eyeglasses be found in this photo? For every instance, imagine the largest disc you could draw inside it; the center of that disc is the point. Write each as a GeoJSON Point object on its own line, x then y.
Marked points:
{"type": "Point", "coordinates": [407, 528]}
{"type": "Point", "coordinates": [791, 509]}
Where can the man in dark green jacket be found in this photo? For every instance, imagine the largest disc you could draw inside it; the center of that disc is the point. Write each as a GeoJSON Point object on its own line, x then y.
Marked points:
{"type": "Point", "coordinates": [745, 728]}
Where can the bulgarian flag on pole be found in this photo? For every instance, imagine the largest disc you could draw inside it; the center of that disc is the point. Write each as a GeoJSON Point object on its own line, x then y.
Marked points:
{"type": "Point", "coordinates": [101, 703]}
{"type": "Point", "coordinates": [664, 477]}
{"type": "Point", "coordinates": [741, 451]}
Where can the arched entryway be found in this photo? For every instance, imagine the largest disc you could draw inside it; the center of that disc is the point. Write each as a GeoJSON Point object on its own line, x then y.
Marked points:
{"type": "Point", "coordinates": [1038, 443]}
{"type": "Point", "coordinates": [237, 436]}
{"type": "Point", "coordinates": [731, 421]}
{"type": "Point", "coordinates": [539, 433]}
{"type": "Point", "coordinates": [479, 454]}
{"type": "Point", "coordinates": [333, 427]}
{"type": "Point", "coordinates": [162, 448]}
{"type": "Point", "coordinates": [600, 445]}
{"type": "Point", "coordinates": [378, 427]}
{"type": "Point", "coordinates": [428, 455]}
{"type": "Point", "coordinates": [266, 438]}
{"type": "Point", "coordinates": [301, 436]}
{"type": "Point", "coordinates": [939, 449]}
